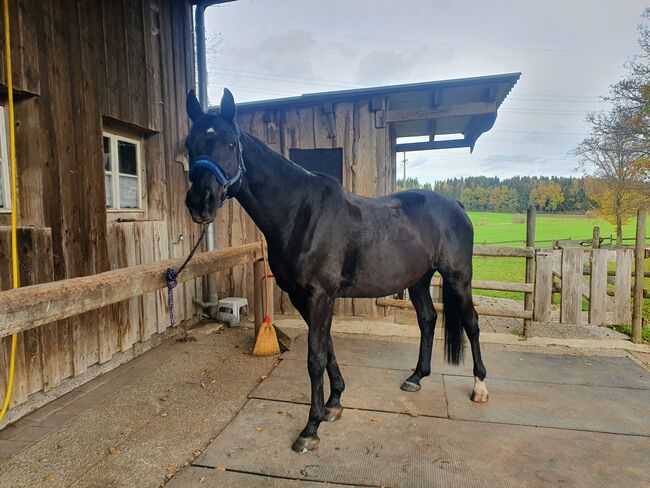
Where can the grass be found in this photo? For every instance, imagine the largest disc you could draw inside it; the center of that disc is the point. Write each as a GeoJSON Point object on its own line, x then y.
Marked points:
{"type": "Point", "coordinates": [491, 227]}
{"type": "Point", "coordinates": [627, 329]}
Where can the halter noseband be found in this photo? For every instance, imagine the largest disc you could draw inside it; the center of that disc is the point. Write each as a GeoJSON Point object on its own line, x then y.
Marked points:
{"type": "Point", "coordinates": [206, 162]}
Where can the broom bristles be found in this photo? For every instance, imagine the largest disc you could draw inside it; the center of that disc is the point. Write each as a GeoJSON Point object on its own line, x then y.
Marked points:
{"type": "Point", "coordinates": [266, 343]}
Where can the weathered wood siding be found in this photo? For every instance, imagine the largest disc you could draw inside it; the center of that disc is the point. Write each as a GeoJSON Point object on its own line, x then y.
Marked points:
{"type": "Point", "coordinates": [368, 169]}
{"type": "Point", "coordinates": [80, 68]}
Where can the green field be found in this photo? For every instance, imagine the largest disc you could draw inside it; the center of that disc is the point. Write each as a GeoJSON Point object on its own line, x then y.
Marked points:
{"type": "Point", "coordinates": [490, 228]}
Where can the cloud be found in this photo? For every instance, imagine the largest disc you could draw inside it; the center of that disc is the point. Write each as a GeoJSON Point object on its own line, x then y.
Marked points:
{"type": "Point", "coordinates": [392, 66]}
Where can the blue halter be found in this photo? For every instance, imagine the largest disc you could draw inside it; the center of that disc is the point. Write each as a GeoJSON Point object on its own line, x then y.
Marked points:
{"type": "Point", "coordinates": [206, 162]}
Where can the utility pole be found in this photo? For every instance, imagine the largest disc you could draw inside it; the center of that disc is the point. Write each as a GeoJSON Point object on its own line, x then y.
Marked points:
{"type": "Point", "coordinates": [404, 161]}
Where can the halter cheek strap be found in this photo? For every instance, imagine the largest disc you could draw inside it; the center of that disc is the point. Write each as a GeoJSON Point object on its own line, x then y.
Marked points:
{"type": "Point", "coordinates": [209, 164]}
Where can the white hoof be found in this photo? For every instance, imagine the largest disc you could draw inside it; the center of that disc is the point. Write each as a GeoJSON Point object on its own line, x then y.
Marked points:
{"type": "Point", "coordinates": [479, 393]}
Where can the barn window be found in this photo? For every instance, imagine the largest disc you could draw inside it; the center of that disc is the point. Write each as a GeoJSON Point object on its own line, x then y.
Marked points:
{"type": "Point", "coordinates": [122, 172]}
{"type": "Point", "coordinates": [5, 195]}
{"type": "Point", "coordinates": [326, 161]}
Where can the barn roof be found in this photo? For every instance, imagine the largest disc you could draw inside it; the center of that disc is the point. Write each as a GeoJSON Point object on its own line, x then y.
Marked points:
{"type": "Point", "coordinates": [466, 106]}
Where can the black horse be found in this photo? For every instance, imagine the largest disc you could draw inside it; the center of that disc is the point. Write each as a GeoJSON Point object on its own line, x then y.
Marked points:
{"type": "Point", "coordinates": [326, 243]}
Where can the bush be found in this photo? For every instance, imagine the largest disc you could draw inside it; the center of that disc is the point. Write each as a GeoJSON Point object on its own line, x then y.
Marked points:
{"type": "Point", "coordinates": [518, 219]}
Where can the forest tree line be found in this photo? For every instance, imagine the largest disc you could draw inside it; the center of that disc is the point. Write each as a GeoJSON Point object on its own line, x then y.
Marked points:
{"type": "Point", "coordinates": [547, 194]}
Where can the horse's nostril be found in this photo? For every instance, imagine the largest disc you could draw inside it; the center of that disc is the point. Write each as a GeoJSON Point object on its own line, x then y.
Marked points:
{"type": "Point", "coordinates": [209, 199]}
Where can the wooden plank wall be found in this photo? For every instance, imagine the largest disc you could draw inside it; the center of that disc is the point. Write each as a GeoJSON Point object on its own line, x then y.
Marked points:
{"type": "Point", "coordinates": [368, 169]}
{"type": "Point", "coordinates": [79, 68]}
{"type": "Point", "coordinates": [38, 357]}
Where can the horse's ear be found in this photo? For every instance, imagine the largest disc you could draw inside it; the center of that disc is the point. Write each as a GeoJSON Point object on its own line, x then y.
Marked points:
{"type": "Point", "coordinates": [228, 109]}
{"type": "Point", "coordinates": [193, 107]}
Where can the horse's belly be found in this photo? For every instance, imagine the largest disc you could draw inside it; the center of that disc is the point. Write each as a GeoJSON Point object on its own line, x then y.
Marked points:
{"type": "Point", "coordinates": [387, 276]}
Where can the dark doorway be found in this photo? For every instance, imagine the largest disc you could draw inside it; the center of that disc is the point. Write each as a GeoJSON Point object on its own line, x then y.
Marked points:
{"type": "Point", "coordinates": [326, 161]}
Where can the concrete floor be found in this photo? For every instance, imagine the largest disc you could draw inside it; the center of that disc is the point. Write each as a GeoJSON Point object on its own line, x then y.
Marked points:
{"type": "Point", "coordinates": [552, 420]}
{"type": "Point", "coordinates": [579, 419]}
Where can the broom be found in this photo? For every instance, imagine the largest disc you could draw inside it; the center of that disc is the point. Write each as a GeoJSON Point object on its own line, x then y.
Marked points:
{"type": "Point", "coordinates": [266, 343]}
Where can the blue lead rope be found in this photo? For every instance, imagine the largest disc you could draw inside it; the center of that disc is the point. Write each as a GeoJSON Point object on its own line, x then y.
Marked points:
{"type": "Point", "coordinates": [171, 277]}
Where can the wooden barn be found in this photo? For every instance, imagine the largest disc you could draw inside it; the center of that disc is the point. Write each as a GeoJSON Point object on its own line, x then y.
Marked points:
{"type": "Point", "coordinates": [352, 136]}
{"type": "Point", "coordinates": [99, 92]}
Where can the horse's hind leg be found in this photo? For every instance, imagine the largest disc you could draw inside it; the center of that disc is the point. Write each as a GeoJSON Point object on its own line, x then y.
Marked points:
{"type": "Point", "coordinates": [426, 314]}
{"type": "Point", "coordinates": [333, 408]}
{"type": "Point", "coordinates": [469, 320]}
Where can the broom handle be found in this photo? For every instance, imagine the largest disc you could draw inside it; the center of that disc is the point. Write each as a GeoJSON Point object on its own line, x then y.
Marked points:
{"type": "Point", "coordinates": [266, 275]}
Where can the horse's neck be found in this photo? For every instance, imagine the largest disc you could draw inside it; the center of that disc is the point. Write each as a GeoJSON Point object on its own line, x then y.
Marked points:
{"type": "Point", "coordinates": [272, 188]}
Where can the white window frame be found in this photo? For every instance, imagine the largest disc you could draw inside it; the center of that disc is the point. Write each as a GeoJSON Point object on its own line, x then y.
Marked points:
{"type": "Point", "coordinates": [5, 175]}
{"type": "Point", "coordinates": [115, 174]}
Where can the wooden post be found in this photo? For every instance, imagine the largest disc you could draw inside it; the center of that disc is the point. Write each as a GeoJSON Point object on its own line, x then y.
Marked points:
{"type": "Point", "coordinates": [258, 306]}
{"type": "Point", "coordinates": [595, 239]}
{"type": "Point", "coordinates": [639, 255]}
{"type": "Point", "coordinates": [259, 283]}
{"type": "Point", "coordinates": [543, 296]}
{"type": "Point", "coordinates": [530, 268]}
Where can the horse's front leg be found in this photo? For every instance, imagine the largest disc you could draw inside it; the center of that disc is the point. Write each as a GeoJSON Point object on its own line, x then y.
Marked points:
{"type": "Point", "coordinates": [333, 408]}
{"type": "Point", "coordinates": [317, 312]}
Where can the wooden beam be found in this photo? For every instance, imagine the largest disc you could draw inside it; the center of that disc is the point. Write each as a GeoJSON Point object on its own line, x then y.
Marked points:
{"type": "Point", "coordinates": [530, 268]}
{"type": "Point", "coordinates": [428, 145]}
{"type": "Point", "coordinates": [456, 110]}
{"type": "Point", "coordinates": [637, 303]}
{"type": "Point", "coordinates": [492, 285]}
{"type": "Point", "coordinates": [24, 308]}
{"type": "Point", "coordinates": [504, 251]}
{"type": "Point", "coordinates": [491, 311]}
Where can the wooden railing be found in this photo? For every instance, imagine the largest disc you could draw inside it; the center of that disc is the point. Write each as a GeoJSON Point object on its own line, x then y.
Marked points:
{"type": "Point", "coordinates": [493, 252]}
{"type": "Point", "coordinates": [31, 306]}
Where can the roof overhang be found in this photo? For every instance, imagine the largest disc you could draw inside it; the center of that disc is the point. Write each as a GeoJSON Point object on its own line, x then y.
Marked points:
{"type": "Point", "coordinates": [465, 106]}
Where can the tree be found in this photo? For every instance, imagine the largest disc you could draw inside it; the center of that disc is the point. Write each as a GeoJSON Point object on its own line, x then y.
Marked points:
{"type": "Point", "coordinates": [631, 95]}
{"type": "Point", "coordinates": [546, 196]}
{"type": "Point", "coordinates": [615, 158]}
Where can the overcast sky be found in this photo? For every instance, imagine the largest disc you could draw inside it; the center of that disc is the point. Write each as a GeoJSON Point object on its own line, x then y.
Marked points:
{"type": "Point", "coordinates": [568, 51]}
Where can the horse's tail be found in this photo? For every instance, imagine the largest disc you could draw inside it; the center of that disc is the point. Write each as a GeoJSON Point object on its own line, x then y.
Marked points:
{"type": "Point", "coordinates": [454, 339]}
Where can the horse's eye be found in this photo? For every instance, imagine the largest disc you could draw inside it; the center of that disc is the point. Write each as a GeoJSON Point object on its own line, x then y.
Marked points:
{"type": "Point", "coordinates": [232, 146]}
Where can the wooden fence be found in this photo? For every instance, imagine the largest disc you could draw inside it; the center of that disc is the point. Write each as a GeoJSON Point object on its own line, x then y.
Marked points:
{"type": "Point", "coordinates": [563, 271]}
{"type": "Point", "coordinates": [69, 331]}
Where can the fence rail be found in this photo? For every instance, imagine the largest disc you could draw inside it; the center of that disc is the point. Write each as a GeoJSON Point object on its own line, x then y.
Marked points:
{"type": "Point", "coordinates": [31, 306]}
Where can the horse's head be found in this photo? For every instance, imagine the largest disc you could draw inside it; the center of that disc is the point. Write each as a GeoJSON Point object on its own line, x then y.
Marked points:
{"type": "Point", "coordinates": [216, 162]}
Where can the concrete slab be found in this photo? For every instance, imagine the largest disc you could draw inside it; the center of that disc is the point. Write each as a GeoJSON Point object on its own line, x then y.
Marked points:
{"type": "Point", "coordinates": [594, 408]}
{"type": "Point", "coordinates": [366, 388]}
{"type": "Point", "coordinates": [500, 363]}
{"type": "Point", "coordinates": [210, 478]}
{"type": "Point", "coordinates": [388, 449]}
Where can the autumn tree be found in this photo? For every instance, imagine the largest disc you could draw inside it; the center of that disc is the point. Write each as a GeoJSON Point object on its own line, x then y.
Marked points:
{"type": "Point", "coordinates": [616, 160]}
{"type": "Point", "coordinates": [546, 196]}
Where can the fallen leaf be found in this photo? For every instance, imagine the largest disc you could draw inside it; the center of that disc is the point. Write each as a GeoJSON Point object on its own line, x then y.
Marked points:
{"type": "Point", "coordinates": [47, 477]}
{"type": "Point", "coordinates": [220, 469]}
{"type": "Point", "coordinates": [112, 451]}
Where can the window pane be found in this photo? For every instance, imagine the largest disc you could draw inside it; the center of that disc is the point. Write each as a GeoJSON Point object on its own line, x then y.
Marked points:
{"type": "Point", "coordinates": [127, 157]}
{"type": "Point", "coordinates": [107, 154]}
{"type": "Point", "coordinates": [128, 192]}
{"type": "Point", "coordinates": [109, 191]}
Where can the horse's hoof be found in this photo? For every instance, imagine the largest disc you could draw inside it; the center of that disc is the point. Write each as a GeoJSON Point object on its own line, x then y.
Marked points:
{"type": "Point", "coordinates": [332, 414]}
{"type": "Point", "coordinates": [304, 444]}
{"type": "Point", "coordinates": [479, 393]}
{"type": "Point", "coordinates": [410, 386]}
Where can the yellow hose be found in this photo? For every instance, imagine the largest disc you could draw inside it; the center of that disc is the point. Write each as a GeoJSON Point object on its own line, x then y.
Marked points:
{"type": "Point", "coordinates": [14, 203]}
